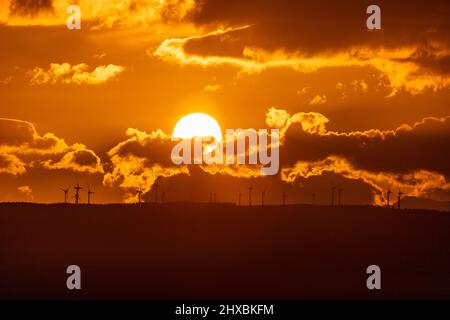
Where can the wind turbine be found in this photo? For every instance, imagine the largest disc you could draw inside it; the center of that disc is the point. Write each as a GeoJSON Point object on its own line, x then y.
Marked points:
{"type": "Point", "coordinates": [284, 198]}
{"type": "Point", "coordinates": [156, 189]}
{"type": "Point", "coordinates": [89, 195]}
{"type": "Point", "coordinates": [77, 193]}
{"type": "Point", "coordinates": [139, 193]}
{"type": "Point", "coordinates": [65, 193]}
{"type": "Point", "coordinates": [388, 196]}
{"type": "Point", "coordinates": [399, 198]}
{"type": "Point", "coordinates": [332, 195]}
{"type": "Point", "coordinates": [339, 196]}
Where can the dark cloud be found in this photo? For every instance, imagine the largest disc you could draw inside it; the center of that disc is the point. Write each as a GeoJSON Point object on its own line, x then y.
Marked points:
{"type": "Point", "coordinates": [29, 7]}
{"type": "Point", "coordinates": [319, 25]}
{"type": "Point", "coordinates": [403, 150]}
{"type": "Point", "coordinates": [22, 147]}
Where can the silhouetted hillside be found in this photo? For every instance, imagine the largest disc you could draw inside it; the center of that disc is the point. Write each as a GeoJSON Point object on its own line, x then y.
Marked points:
{"type": "Point", "coordinates": [213, 251]}
{"type": "Point", "coordinates": [422, 203]}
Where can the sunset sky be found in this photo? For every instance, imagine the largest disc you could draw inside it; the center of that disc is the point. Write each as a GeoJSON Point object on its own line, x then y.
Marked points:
{"type": "Point", "coordinates": [361, 110]}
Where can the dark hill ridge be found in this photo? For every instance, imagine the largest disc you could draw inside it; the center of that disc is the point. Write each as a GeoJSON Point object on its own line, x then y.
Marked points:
{"type": "Point", "coordinates": [422, 203]}
{"type": "Point", "coordinates": [222, 251]}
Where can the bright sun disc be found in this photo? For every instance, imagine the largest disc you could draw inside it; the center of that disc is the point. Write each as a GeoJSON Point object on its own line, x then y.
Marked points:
{"type": "Point", "coordinates": [197, 125]}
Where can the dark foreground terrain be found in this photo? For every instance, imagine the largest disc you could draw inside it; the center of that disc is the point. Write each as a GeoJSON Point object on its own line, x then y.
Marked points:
{"type": "Point", "coordinates": [218, 251]}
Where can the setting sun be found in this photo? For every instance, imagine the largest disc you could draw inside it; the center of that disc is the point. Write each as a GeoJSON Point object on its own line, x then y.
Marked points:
{"type": "Point", "coordinates": [197, 125]}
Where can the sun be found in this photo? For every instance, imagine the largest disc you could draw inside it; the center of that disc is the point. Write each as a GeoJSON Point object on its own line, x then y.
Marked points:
{"type": "Point", "coordinates": [197, 125]}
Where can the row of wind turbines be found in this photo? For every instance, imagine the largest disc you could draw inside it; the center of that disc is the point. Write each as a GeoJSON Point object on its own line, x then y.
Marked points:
{"type": "Point", "coordinates": [76, 196]}
{"type": "Point", "coordinates": [213, 196]}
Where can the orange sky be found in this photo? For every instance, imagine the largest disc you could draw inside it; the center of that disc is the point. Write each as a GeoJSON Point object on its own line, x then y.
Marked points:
{"type": "Point", "coordinates": [365, 110]}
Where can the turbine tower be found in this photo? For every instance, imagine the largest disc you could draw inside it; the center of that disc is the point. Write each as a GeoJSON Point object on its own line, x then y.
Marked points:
{"type": "Point", "coordinates": [332, 195]}
{"type": "Point", "coordinates": [89, 195]}
{"type": "Point", "coordinates": [284, 198]}
{"type": "Point", "coordinates": [156, 189]}
{"type": "Point", "coordinates": [339, 196]}
{"type": "Point", "coordinates": [250, 195]}
{"type": "Point", "coordinates": [139, 193]}
{"type": "Point", "coordinates": [399, 198]}
{"type": "Point", "coordinates": [66, 191]}
{"type": "Point", "coordinates": [77, 193]}
{"type": "Point", "coordinates": [163, 195]}
{"type": "Point", "coordinates": [388, 196]}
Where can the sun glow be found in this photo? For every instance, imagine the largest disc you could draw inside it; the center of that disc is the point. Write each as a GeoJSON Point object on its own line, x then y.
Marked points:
{"type": "Point", "coordinates": [197, 125]}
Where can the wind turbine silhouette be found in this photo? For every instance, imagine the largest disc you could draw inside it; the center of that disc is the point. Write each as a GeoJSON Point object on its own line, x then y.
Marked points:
{"type": "Point", "coordinates": [139, 193]}
{"type": "Point", "coordinates": [339, 196]}
{"type": "Point", "coordinates": [156, 189]}
{"type": "Point", "coordinates": [399, 198]}
{"type": "Point", "coordinates": [332, 195]}
{"type": "Point", "coordinates": [65, 193]}
{"type": "Point", "coordinates": [77, 193]}
{"type": "Point", "coordinates": [283, 194]}
{"type": "Point", "coordinates": [89, 194]}
{"type": "Point", "coordinates": [388, 196]}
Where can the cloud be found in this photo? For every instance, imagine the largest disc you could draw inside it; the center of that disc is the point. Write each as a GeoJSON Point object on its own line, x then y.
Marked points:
{"type": "Point", "coordinates": [144, 157]}
{"type": "Point", "coordinates": [26, 190]}
{"type": "Point", "coordinates": [29, 8]}
{"type": "Point", "coordinates": [410, 157]}
{"type": "Point", "coordinates": [306, 137]}
{"type": "Point", "coordinates": [415, 183]}
{"type": "Point", "coordinates": [138, 161]}
{"type": "Point", "coordinates": [11, 164]}
{"type": "Point", "coordinates": [77, 74]}
{"type": "Point", "coordinates": [6, 80]}
{"type": "Point", "coordinates": [22, 148]}
{"type": "Point", "coordinates": [212, 87]}
{"type": "Point", "coordinates": [318, 99]}
{"type": "Point", "coordinates": [95, 14]}
{"type": "Point", "coordinates": [80, 160]}
{"type": "Point", "coordinates": [403, 68]}
{"type": "Point", "coordinates": [310, 122]}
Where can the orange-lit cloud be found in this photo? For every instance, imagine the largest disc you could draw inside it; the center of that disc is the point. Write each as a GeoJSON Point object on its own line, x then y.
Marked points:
{"type": "Point", "coordinates": [77, 74]}
{"type": "Point", "coordinates": [318, 99]}
{"type": "Point", "coordinates": [416, 183]}
{"type": "Point", "coordinates": [95, 14]}
{"type": "Point", "coordinates": [403, 67]}
{"type": "Point", "coordinates": [139, 161]}
{"type": "Point", "coordinates": [11, 164]}
{"type": "Point", "coordinates": [21, 147]}
{"type": "Point", "coordinates": [26, 190]}
{"type": "Point", "coordinates": [409, 157]}
{"type": "Point", "coordinates": [80, 160]}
